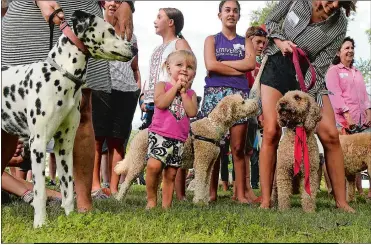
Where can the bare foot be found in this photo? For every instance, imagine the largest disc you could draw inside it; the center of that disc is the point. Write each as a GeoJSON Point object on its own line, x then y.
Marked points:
{"type": "Point", "coordinates": [183, 198]}
{"type": "Point", "coordinates": [345, 207]}
{"type": "Point", "coordinates": [265, 205]}
{"type": "Point", "coordinates": [151, 204]}
{"type": "Point", "coordinates": [258, 200]}
{"type": "Point", "coordinates": [212, 198]}
{"type": "Point", "coordinates": [243, 200]}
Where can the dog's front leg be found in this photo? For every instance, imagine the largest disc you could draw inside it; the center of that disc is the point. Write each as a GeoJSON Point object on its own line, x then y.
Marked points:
{"type": "Point", "coordinates": [351, 187]}
{"type": "Point", "coordinates": [38, 151]}
{"type": "Point", "coordinates": [63, 149]}
{"type": "Point", "coordinates": [284, 185]}
{"type": "Point", "coordinates": [205, 155]}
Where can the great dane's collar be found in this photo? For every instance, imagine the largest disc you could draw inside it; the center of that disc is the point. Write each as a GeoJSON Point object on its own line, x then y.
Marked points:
{"type": "Point", "coordinates": [79, 82]}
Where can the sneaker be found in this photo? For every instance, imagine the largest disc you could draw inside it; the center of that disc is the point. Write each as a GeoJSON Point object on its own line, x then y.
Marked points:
{"type": "Point", "coordinates": [101, 194]}
{"type": "Point", "coordinates": [27, 197]}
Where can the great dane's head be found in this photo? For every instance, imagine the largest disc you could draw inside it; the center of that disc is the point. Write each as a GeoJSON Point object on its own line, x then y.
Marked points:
{"type": "Point", "coordinates": [100, 38]}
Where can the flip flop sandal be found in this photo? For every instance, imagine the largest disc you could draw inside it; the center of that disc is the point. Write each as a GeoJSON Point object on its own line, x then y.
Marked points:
{"type": "Point", "coordinates": [99, 194]}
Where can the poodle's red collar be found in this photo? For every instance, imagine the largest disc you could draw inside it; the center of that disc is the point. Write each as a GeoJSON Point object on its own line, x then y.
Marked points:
{"type": "Point", "coordinates": [301, 152]}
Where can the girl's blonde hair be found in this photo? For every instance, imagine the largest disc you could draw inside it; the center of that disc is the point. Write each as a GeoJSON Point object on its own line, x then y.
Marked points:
{"type": "Point", "coordinates": [186, 54]}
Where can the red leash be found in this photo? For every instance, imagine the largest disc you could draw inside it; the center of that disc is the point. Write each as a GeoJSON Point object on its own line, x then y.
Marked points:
{"type": "Point", "coordinates": [301, 148]}
{"type": "Point", "coordinates": [296, 52]}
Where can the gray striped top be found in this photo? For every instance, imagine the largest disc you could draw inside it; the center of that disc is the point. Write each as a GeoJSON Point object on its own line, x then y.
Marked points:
{"type": "Point", "coordinates": [25, 38]}
{"type": "Point", "coordinates": [319, 40]}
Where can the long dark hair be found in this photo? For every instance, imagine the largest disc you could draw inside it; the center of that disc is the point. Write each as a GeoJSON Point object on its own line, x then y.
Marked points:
{"type": "Point", "coordinates": [177, 16]}
{"type": "Point", "coordinates": [336, 59]}
{"type": "Point", "coordinates": [348, 6]}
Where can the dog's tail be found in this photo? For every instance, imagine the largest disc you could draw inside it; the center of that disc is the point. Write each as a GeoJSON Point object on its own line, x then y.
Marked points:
{"type": "Point", "coordinates": [136, 153]}
{"type": "Point", "coordinates": [122, 166]}
{"type": "Point", "coordinates": [255, 90]}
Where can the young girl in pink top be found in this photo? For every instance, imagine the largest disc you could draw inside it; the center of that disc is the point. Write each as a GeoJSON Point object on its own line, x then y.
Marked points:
{"type": "Point", "coordinates": [175, 104]}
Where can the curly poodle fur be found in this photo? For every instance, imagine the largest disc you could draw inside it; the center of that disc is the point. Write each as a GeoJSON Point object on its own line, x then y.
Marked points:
{"type": "Point", "coordinates": [226, 113]}
{"type": "Point", "coordinates": [294, 109]}
{"type": "Point", "coordinates": [357, 157]}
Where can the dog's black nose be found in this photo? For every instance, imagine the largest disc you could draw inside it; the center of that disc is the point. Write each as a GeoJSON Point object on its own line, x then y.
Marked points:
{"type": "Point", "coordinates": [134, 50]}
{"type": "Point", "coordinates": [283, 105]}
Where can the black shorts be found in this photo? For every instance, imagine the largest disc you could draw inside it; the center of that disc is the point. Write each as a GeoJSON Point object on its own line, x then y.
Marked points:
{"type": "Point", "coordinates": [250, 137]}
{"type": "Point", "coordinates": [113, 113]}
{"type": "Point", "coordinates": [279, 73]}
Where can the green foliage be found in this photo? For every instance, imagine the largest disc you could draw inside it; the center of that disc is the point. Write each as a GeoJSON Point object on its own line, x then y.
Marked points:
{"type": "Point", "coordinates": [223, 222]}
{"type": "Point", "coordinates": [368, 32]}
{"type": "Point", "coordinates": [258, 16]}
{"type": "Point", "coordinates": [364, 66]}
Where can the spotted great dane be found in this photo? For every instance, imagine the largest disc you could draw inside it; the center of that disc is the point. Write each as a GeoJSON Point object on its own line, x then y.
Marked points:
{"type": "Point", "coordinates": [42, 100]}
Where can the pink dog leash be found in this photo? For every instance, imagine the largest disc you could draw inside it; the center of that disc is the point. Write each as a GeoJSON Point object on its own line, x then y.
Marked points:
{"type": "Point", "coordinates": [296, 52]}
{"type": "Point", "coordinates": [66, 29]}
{"type": "Point", "coordinates": [301, 152]}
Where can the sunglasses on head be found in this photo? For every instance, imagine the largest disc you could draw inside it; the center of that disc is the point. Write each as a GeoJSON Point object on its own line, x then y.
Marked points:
{"type": "Point", "coordinates": [260, 32]}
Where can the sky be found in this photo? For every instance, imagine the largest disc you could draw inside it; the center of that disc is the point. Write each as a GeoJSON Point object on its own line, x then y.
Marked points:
{"type": "Point", "coordinates": [201, 20]}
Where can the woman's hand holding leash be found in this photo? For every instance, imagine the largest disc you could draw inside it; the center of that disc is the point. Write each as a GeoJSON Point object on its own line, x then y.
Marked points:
{"type": "Point", "coordinates": [47, 8]}
{"type": "Point", "coordinates": [284, 46]}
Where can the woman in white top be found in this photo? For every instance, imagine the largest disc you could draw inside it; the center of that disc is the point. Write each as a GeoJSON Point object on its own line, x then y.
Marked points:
{"type": "Point", "coordinates": [168, 24]}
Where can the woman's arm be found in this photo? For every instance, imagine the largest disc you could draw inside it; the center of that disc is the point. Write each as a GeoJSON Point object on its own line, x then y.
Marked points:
{"type": "Point", "coordinates": [212, 65]}
{"type": "Point", "coordinates": [246, 64]}
{"type": "Point", "coordinates": [47, 8]}
{"type": "Point", "coordinates": [164, 99]}
{"type": "Point", "coordinates": [273, 21]}
{"type": "Point", "coordinates": [190, 104]}
{"type": "Point", "coordinates": [135, 67]}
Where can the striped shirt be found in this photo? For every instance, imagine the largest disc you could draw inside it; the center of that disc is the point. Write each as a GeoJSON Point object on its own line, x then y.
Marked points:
{"type": "Point", "coordinates": [320, 40]}
{"type": "Point", "coordinates": [122, 75]}
{"type": "Point", "coordinates": [25, 38]}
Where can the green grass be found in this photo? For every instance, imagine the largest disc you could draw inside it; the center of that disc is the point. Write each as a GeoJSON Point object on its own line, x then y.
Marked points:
{"type": "Point", "coordinates": [223, 222]}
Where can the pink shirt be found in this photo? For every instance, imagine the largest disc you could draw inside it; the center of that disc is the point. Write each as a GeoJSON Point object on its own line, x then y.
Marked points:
{"type": "Point", "coordinates": [349, 93]}
{"type": "Point", "coordinates": [172, 122]}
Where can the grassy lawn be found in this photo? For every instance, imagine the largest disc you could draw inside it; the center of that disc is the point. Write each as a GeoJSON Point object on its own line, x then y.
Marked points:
{"type": "Point", "coordinates": [224, 222]}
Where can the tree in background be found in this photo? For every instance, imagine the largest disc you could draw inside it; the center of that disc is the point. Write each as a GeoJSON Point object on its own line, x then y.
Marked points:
{"type": "Point", "coordinates": [368, 32]}
{"type": "Point", "coordinates": [258, 16]}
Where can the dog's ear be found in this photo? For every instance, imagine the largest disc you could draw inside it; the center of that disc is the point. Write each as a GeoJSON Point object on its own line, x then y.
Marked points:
{"type": "Point", "coordinates": [313, 116]}
{"type": "Point", "coordinates": [81, 21]}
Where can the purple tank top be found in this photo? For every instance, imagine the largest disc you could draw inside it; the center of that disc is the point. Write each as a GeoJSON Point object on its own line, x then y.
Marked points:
{"type": "Point", "coordinates": [172, 122]}
{"type": "Point", "coordinates": [228, 50]}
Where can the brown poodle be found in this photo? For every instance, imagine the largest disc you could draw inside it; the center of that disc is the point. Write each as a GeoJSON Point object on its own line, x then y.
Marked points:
{"type": "Point", "coordinates": [357, 157]}
{"type": "Point", "coordinates": [198, 153]}
{"type": "Point", "coordinates": [294, 109]}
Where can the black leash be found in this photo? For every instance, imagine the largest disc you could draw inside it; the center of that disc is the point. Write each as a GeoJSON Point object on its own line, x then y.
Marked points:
{"type": "Point", "coordinates": [51, 26]}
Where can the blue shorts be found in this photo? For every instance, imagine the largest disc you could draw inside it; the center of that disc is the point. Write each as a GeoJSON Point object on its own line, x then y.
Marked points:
{"type": "Point", "coordinates": [212, 96]}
